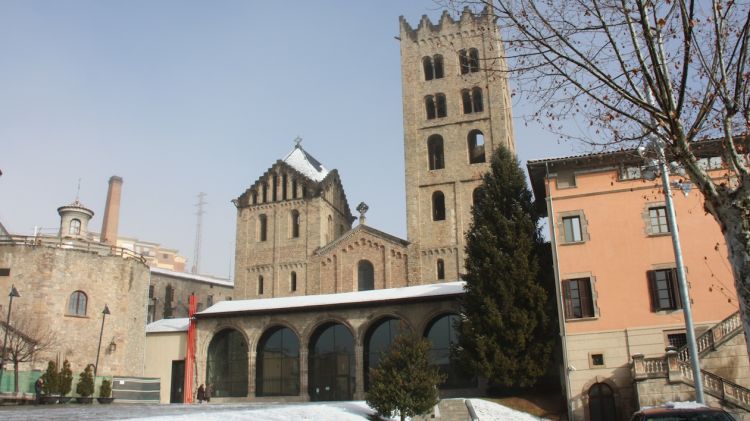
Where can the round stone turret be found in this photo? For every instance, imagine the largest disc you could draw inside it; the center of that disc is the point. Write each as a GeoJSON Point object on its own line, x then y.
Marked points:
{"type": "Point", "coordinates": [74, 220]}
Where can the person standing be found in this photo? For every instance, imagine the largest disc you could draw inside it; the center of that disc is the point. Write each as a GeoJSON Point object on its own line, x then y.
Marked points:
{"type": "Point", "coordinates": [201, 393]}
{"type": "Point", "coordinates": [38, 385]}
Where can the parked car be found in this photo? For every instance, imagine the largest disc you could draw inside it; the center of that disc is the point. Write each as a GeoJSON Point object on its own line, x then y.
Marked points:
{"type": "Point", "coordinates": [682, 411]}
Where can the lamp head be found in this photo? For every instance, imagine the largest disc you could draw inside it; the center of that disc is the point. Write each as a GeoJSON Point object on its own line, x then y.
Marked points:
{"type": "Point", "coordinates": [13, 292]}
{"type": "Point", "coordinates": [106, 310]}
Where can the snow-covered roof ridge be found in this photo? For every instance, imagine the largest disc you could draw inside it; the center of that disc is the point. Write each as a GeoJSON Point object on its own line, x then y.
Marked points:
{"type": "Point", "coordinates": [345, 298]}
{"type": "Point", "coordinates": [193, 277]}
{"type": "Point", "coordinates": [306, 164]}
{"type": "Point", "coordinates": [168, 325]}
{"type": "Point", "coordinates": [355, 230]}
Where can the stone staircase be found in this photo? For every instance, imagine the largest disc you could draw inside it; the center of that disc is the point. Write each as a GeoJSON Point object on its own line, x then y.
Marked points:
{"type": "Point", "coordinates": [448, 410]}
{"type": "Point", "coordinates": [676, 368]}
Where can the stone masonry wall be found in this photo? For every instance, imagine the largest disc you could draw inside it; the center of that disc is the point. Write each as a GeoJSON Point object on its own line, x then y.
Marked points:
{"type": "Point", "coordinates": [47, 276]}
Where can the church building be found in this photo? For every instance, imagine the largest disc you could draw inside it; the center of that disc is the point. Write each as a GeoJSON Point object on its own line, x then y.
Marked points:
{"type": "Point", "coordinates": [318, 297]}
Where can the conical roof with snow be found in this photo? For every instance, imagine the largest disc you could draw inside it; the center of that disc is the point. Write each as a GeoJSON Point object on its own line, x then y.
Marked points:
{"type": "Point", "coordinates": [306, 164]}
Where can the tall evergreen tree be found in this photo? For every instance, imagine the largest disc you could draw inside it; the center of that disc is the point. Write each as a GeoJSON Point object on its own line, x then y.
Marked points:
{"type": "Point", "coordinates": [506, 332]}
{"type": "Point", "coordinates": [405, 381]}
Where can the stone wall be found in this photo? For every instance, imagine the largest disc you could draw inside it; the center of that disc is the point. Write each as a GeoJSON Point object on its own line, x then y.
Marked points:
{"type": "Point", "coordinates": [357, 319]}
{"type": "Point", "coordinates": [183, 285]}
{"type": "Point", "coordinates": [46, 276]}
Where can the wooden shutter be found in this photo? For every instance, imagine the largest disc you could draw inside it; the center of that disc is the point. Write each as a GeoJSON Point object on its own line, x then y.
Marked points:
{"type": "Point", "coordinates": [566, 300]}
{"type": "Point", "coordinates": [653, 290]}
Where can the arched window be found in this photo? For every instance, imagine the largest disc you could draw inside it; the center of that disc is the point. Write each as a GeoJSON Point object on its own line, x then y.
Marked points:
{"type": "Point", "coordinates": [365, 275]}
{"type": "Point", "coordinates": [435, 152]}
{"type": "Point", "coordinates": [331, 364]}
{"type": "Point", "coordinates": [476, 196]}
{"type": "Point", "coordinates": [442, 333]}
{"type": "Point", "coordinates": [476, 98]}
{"type": "Point", "coordinates": [466, 101]}
{"type": "Point", "coordinates": [277, 371]}
{"type": "Point", "coordinates": [468, 61]}
{"type": "Point", "coordinates": [438, 60]}
{"type": "Point", "coordinates": [601, 403]}
{"type": "Point", "coordinates": [440, 269]}
{"type": "Point", "coordinates": [442, 107]}
{"type": "Point", "coordinates": [226, 365]}
{"type": "Point", "coordinates": [438, 206]}
{"type": "Point", "coordinates": [284, 182]}
{"type": "Point", "coordinates": [429, 105]}
{"type": "Point", "coordinates": [262, 227]}
{"type": "Point", "coordinates": [255, 197]}
{"type": "Point", "coordinates": [260, 284]}
{"type": "Point", "coordinates": [377, 342]}
{"type": "Point", "coordinates": [473, 60]}
{"type": "Point", "coordinates": [75, 227]}
{"type": "Point", "coordinates": [475, 142]}
{"type": "Point", "coordinates": [293, 281]}
{"type": "Point", "coordinates": [429, 71]}
{"type": "Point", "coordinates": [294, 188]}
{"type": "Point", "coordinates": [77, 303]}
{"type": "Point", "coordinates": [295, 223]}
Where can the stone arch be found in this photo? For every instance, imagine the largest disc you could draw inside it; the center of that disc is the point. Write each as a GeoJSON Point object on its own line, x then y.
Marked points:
{"type": "Point", "coordinates": [442, 334]}
{"type": "Point", "coordinates": [277, 363]}
{"type": "Point", "coordinates": [616, 396]}
{"type": "Point", "coordinates": [377, 339]}
{"type": "Point", "coordinates": [331, 362]}
{"type": "Point", "coordinates": [227, 364]}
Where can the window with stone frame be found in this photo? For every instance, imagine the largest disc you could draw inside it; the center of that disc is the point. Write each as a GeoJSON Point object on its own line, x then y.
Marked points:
{"type": "Point", "coordinates": [572, 227]}
{"type": "Point", "coordinates": [77, 303]}
{"type": "Point", "coordinates": [260, 284]}
{"type": "Point", "coordinates": [4, 271]}
{"type": "Point", "coordinates": [664, 289]}
{"type": "Point", "coordinates": [658, 223]}
{"type": "Point", "coordinates": [440, 269]}
{"type": "Point", "coordinates": [472, 100]}
{"type": "Point", "coordinates": [578, 298]}
{"type": "Point", "coordinates": [293, 281]}
{"type": "Point", "coordinates": [676, 339]}
{"type": "Point", "coordinates": [441, 105]}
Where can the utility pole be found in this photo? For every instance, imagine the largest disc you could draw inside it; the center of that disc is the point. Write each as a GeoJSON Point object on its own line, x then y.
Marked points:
{"type": "Point", "coordinates": [198, 229]}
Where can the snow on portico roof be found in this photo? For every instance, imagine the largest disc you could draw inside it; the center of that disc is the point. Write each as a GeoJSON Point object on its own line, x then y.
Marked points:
{"type": "Point", "coordinates": [308, 166]}
{"type": "Point", "coordinates": [302, 302]}
{"type": "Point", "coordinates": [168, 325]}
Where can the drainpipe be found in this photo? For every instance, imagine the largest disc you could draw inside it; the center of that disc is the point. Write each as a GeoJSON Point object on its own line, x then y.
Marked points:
{"type": "Point", "coordinates": [558, 293]}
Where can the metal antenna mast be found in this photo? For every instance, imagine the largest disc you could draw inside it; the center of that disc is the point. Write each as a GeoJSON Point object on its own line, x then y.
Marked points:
{"type": "Point", "coordinates": [198, 229]}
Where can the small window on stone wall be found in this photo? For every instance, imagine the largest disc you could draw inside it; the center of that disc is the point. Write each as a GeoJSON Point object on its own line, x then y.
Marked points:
{"type": "Point", "coordinates": [295, 223]}
{"type": "Point", "coordinates": [438, 206]}
{"type": "Point", "coordinates": [596, 360]}
{"type": "Point", "coordinates": [262, 227]}
{"type": "Point", "coordinates": [440, 269]}
{"type": "Point", "coordinates": [260, 285]}
{"type": "Point", "coordinates": [4, 271]}
{"type": "Point", "coordinates": [475, 143]}
{"type": "Point", "coordinates": [77, 303]}
{"type": "Point", "coordinates": [293, 281]}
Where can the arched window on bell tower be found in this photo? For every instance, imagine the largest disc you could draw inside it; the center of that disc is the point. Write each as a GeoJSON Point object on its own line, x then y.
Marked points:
{"type": "Point", "coordinates": [438, 206]}
{"type": "Point", "coordinates": [435, 152]}
{"type": "Point", "coordinates": [475, 143]}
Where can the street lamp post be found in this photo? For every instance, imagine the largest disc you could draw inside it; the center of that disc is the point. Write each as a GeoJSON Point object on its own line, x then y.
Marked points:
{"type": "Point", "coordinates": [13, 293]}
{"type": "Point", "coordinates": [105, 312]}
{"type": "Point", "coordinates": [658, 146]}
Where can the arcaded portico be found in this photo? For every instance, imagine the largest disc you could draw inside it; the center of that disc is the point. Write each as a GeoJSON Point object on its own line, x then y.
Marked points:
{"type": "Point", "coordinates": [320, 347]}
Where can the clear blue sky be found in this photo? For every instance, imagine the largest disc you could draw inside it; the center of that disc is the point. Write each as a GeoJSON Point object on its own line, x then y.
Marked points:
{"type": "Point", "coordinates": [180, 97]}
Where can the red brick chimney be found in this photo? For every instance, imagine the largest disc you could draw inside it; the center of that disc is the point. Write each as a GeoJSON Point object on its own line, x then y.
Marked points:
{"type": "Point", "coordinates": [112, 211]}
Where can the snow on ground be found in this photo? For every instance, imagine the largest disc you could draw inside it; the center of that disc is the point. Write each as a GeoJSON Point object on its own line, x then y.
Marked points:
{"type": "Point", "coordinates": [487, 411]}
{"type": "Point", "coordinates": [339, 411]}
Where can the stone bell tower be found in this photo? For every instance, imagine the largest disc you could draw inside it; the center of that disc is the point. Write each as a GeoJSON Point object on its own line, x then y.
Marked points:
{"type": "Point", "coordinates": [457, 111]}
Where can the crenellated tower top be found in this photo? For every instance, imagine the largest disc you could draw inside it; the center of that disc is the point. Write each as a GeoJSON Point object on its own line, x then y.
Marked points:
{"type": "Point", "coordinates": [467, 24]}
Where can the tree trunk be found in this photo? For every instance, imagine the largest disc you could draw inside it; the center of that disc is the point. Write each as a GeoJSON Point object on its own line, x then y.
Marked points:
{"type": "Point", "coordinates": [15, 376]}
{"type": "Point", "coordinates": [736, 229]}
{"type": "Point", "coordinates": [403, 417]}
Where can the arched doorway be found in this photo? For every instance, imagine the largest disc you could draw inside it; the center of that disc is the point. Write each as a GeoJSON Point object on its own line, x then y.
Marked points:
{"type": "Point", "coordinates": [331, 364]}
{"type": "Point", "coordinates": [226, 367]}
{"type": "Point", "coordinates": [377, 341]}
{"type": "Point", "coordinates": [601, 403]}
{"type": "Point", "coordinates": [442, 334]}
{"type": "Point", "coordinates": [277, 366]}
